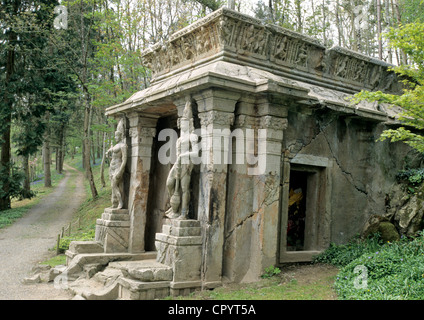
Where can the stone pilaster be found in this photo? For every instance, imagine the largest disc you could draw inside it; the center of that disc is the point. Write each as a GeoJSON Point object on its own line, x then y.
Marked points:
{"type": "Point", "coordinates": [269, 191]}
{"type": "Point", "coordinates": [251, 226]}
{"type": "Point", "coordinates": [142, 132]}
{"type": "Point", "coordinates": [216, 113]}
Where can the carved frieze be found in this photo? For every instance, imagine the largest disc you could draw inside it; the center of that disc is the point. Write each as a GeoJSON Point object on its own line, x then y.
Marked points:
{"type": "Point", "coordinates": [229, 35]}
{"type": "Point", "coordinates": [236, 33]}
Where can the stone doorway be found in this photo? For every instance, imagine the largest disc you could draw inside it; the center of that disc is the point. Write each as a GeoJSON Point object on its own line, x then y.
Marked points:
{"type": "Point", "coordinates": [304, 215]}
{"type": "Point", "coordinates": [297, 211]}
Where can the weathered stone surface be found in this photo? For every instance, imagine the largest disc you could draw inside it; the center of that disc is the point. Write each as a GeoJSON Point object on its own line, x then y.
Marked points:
{"type": "Point", "coordinates": [180, 252]}
{"type": "Point", "coordinates": [32, 279]}
{"type": "Point", "coordinates": [230, 36]}
{"type": "Point", "coordinates": [406, 210]}
{"type": "Point", "coordinates": [381, 225]}
{"type": "Point", "coordinates": [143, 270]}
{"type": "Point", "coordinates": [78, 247]}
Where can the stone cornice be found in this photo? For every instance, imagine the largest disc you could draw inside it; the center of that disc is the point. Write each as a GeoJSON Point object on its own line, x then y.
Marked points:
{"type": "Point", "coordinates": [230, 36]}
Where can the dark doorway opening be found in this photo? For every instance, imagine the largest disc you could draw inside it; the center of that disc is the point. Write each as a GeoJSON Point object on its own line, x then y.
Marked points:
{"type": "Point", "coordinates": [297, 211]}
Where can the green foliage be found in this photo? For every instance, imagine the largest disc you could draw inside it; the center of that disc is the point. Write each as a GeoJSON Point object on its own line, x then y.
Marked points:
{"type": "Point", "coordinates": [394, 272]}
{"type": "Point", "coordinates": [7, 217]}
{"type": "Point", "coordinates": [341, 255]}
{"type": "Point", "coordinates": [409, 38]}
{"type": "Point", "coordinates": [391, 270]}
{"type": "Point", "coordinates": [66, 241]}
{"type": "Point", "coordinates": [56, 260]}
{"type": "Point", "coordinates": [413, 176]}
{"type": "Point", "coordinates": [270, 272]}
{"type": "Point", "coordinates": [14, 181]}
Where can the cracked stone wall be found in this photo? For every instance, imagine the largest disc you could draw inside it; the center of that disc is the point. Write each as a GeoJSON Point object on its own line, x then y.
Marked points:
{"type": "Point", "coordinates": [363, 170]}
{"type": "Point", "coordinates": [362, 174]}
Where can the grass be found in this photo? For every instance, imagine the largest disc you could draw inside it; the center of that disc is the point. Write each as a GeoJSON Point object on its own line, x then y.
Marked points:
{"type": "Point", "coordinates": [297, 282]}
{"type": "Point", "coordinates": [21, 207]}
{"type": "Point", "coordinates": [55, 260]}
{"type": "Point", "coordinates": [91, 209]}
{"type": "Point", "coordinates": [384, 271]}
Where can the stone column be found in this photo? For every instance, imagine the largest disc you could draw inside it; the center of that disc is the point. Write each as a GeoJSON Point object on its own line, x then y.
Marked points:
{"type": "Point", "coordinates": [274, 120]}
{"type": "Point", "coordinates": [269, 192]}
{"type": "Point", "coordinates": [251, 235]}
{"type": "Point", "coordinates": [216, 113]}
{"type": "Point", "coordinates": [142, 132]}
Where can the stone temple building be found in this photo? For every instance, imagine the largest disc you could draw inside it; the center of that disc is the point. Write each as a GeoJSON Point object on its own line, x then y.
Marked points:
{"type": "Point", "coordinates": [287, 163]}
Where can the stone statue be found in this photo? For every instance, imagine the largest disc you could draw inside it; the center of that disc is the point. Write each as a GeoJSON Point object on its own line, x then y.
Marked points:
{"type": "Point", "coordinates": [118, 154]}
{"type": "Point", "coordinates": [178, 182]}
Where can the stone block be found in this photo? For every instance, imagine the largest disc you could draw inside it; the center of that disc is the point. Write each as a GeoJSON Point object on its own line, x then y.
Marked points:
{"type": "Point", "coordinates": [78, 247]}
{"type": "Point", "coordinates": [113, 230]}
{"type": "Point", "coordinates": [130, 289]}
{"type": "Point", "coordinates": [116, 239]}
{"type": "Point", "coordinates": [181, 252]}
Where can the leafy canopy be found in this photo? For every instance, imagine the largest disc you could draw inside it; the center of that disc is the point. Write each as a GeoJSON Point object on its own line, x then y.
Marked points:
{"type": "Point", "coordinates": [410, 38]}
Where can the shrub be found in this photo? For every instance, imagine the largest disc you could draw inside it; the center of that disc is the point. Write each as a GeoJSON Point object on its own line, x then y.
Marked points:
{"type": "Point", "coordinates": [342, 255]}
{"type": "Point", "coordinates": [270, 272]}
{"type": "Point", "coordinates": [65, 241]}
{"type": "Point", "coordinates": [414, 176]}
{"type": "Point", "coordinates": [394, 271]}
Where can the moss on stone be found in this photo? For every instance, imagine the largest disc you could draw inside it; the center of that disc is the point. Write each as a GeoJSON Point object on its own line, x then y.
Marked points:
{"type": "Point", "coordinates": [388, 232]}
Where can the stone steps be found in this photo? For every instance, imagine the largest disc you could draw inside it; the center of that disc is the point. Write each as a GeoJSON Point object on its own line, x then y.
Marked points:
{"type": "Point", "coordinates": [123, 280]}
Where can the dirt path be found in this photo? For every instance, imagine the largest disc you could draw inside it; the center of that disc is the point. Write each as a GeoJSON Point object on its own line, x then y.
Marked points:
{"type": "Point", "coordinates": [27, 241]}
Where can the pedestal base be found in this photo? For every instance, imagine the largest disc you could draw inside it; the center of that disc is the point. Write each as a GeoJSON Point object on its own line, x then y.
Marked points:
{"type": "Point", "coordinates": [113, 230]}
{"type": "Point", "coordinates": [180, 247]}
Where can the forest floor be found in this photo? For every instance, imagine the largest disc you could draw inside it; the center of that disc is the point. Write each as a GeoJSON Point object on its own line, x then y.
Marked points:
{"type": "Point", "coordinates": [29, 240]}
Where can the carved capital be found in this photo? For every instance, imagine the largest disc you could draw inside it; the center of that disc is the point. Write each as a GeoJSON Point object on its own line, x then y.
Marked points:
{"type": "Point", "coordinates": [274, 123]}
{"type": "Point", "coordinates": [216, 118]}
{"type": "Point", "coordinates": [245, 121]}
{"type": "Point", "coordinates": [148, 132]}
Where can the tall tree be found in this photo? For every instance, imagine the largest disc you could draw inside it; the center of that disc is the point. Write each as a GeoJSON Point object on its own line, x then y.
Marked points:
{"type": "Point", "coordinates": [25, 25]}
{"type": "Point", "coordinates": [9, 40]}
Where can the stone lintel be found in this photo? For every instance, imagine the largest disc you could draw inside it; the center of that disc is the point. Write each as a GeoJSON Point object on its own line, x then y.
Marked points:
{"type": "Point", "coordinates": [311, 160]}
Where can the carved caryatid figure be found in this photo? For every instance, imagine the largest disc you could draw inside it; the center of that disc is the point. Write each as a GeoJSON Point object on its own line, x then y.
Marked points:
{"type": "Point", "coordinates": [118, 154]}
{"type": "Point", "coordinates": [178, 182]}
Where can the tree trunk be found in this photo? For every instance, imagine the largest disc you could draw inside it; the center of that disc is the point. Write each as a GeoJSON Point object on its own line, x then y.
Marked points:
{"type": "Point", "coordinates": [87, 149]}
{"type": "Point", "coordinates": [46, 156]}
{"type": "Point", "coordinates": [395, 5]}
{"type": "Point", "coordinates": [299, 16]}
{"type": "Point", "coordinates": [59, 154]}
{"type": "Point", "coordinates": [388, 25]}
{"type": "Point", "coordinates": [102, 166]}
{"type": "Point", "coordinates": [271, 10]}
{"type": "Point", "coordinates": [27, 180]}
{"type": "Point", "coordinates": [380, 39]}
{"type": "Point", "coordinates": [6, 121]}
{"type": "Point", "coordinates": [5, 164]}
